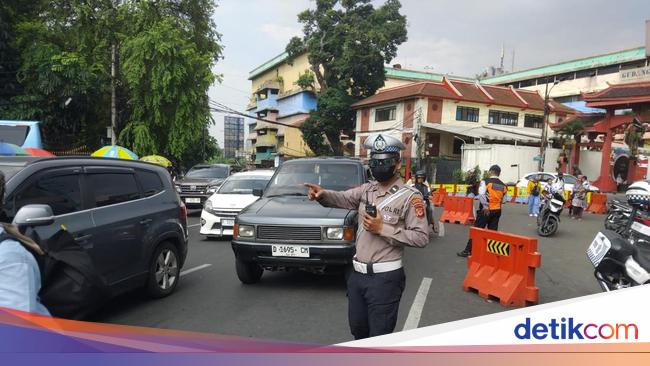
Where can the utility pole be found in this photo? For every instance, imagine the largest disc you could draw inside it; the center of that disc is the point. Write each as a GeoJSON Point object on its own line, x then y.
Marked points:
{"type": "Point", "coordinates": [542, 146]}
{"type": "Point", "coordinates": [116, 5]}
{"type": "Point", "coordinates": [113, 94]}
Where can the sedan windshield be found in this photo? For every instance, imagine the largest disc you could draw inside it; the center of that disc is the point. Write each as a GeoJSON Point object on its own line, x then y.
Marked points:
{"type": "Point", "coordinates": [291, 178]}
{"type": "Point", "coordinates": [211, 172]}
{"type": "Point", "coordinates": [243, 186]}
{"type": "Point", "coordinates": [569, 179]}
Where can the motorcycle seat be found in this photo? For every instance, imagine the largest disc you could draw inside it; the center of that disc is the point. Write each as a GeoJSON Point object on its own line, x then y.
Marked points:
{"type": "Point", "coordinates": [642, 256]}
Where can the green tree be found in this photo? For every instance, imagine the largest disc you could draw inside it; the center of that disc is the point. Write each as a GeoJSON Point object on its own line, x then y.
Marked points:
{"type": "Point", "coordinates": [62, 70]}
{"type": "Point", "coordinates": [570, 133]}
{"type": "Point", "coordinates": [167, 66]}
{"type": "Point", "coordinates": [62, 53]}
{"type": "Point", "coordinates": [348, 42]}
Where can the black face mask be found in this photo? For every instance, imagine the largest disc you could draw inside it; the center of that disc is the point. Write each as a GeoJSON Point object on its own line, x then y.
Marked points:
{"type": "Point", "coordinates": [383, 169]}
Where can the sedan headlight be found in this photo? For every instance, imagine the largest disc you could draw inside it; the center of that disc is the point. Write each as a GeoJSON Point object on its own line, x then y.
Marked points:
{"type": "Point", "coordinates": [334, 233]}
{"type": "Point", "coordinates": [178, 188]}
{"type": "Point", "coordinates": [208, 205]}
{"type": "Point", "coordinates": [246, 231]}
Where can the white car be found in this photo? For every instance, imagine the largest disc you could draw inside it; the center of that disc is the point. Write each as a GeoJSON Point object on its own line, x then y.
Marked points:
{"type": "Point", "coordinates": [236, 192]}
{"type": "Point", "coordinates": [543, 177]}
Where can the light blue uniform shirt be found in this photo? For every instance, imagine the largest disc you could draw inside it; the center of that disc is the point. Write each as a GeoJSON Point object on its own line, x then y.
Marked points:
{"type": "Point", "coordinates": [20, 278]}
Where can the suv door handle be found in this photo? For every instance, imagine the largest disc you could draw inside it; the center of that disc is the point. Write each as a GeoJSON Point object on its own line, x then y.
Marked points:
{"type": "Point", "coordinates": [84, 241]}
{"type": "Point", "coordinates": [145, 221]}
{"type": "Point", "coordinates": [82, 238]}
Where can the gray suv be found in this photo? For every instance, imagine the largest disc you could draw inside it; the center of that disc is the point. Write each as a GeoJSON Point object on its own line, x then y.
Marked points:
{"type": "Point", "coordinates": [201, 182]}
{"type": "Point", "coordinates": [126, 214]}
{"type": "Point", "coordinates": [285, 230]}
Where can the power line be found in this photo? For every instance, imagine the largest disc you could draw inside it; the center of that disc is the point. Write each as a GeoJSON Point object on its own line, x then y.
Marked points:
{"type": "Point", "coordinates": [395, 125]}
{"type": "Point", "coordinates": [233, 88]}
{"type": "Point", "coordinates": [216, 106]}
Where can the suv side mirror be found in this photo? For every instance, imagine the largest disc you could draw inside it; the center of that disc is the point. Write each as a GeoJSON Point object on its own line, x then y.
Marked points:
{"type": "Point", "coordinates": [257, 192]}
{"type": "Point", "coordinates": [34, 215]}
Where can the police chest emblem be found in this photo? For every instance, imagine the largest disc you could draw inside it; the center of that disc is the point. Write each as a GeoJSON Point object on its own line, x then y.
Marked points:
{"type": "Point", "coordinates": [380, 144]}
{"type": "Point", "coordinates": [418, 205]}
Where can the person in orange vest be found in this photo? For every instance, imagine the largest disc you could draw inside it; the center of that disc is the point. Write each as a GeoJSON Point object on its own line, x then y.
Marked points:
{"type": "Point", "coordinates": [492, 194]}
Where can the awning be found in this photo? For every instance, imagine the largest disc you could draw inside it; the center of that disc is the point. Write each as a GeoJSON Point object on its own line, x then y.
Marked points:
{"type": "Point", "coordinates": [497, 133]}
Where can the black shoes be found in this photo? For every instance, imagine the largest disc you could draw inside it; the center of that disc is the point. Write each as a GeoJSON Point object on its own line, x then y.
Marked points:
{"type": "Point", "coordinates": [464, 254]}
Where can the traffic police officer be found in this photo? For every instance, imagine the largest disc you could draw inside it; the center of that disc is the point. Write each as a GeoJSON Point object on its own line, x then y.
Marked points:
{"type": "Point", "coordinates": [391, 216]}
{"type": "Point", "coordinates": [491, 195]}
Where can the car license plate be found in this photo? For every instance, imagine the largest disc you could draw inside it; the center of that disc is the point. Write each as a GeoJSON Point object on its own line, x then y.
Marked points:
{"type": "Point", "coordinates": [598, 249]}
{"type": "Point", "coordinates": [192, 200]}
{"type": "Point", "coordinates": [290, 251]}
{"type": "Point", "coordinates": [227, 222]}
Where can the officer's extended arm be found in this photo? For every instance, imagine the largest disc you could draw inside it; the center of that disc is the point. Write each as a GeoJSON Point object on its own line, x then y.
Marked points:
{"type": "Point", "coordinates": [349, 199]}
{"type": "Point", "coordinates": [415, 232]}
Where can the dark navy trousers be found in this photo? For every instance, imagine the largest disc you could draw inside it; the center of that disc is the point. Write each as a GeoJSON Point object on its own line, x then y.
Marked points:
{"type": "Point", "coordinates": [373, 302]}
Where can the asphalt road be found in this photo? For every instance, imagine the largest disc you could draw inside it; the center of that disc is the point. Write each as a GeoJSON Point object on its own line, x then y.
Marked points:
{"type": "Point", "coordinates": [308, 308]}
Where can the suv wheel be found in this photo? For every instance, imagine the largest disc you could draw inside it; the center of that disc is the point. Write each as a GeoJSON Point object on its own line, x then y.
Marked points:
{"type": "Point", "coordinates": [248, 273]}
{"type": "Point", "coordinates": [164, 271]}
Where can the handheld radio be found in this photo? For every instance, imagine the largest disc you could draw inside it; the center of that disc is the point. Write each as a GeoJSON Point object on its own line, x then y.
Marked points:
{"type": "Point", "coordinates": [371, 209]}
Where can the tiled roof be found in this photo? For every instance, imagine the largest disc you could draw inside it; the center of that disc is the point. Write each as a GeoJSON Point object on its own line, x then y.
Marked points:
{"type": "Point", "coordinates": [470, 92]}
{"type": "Point", "coordinates": [587, 119]}
{"type": "Point", "coordinates": [504, 96]}
{"type": "Point", "coordinates": [569, 66]}
{"type": "Point", "coordinates": [619, 94]}
{"type": "Point", "coordinates": [425, 89]}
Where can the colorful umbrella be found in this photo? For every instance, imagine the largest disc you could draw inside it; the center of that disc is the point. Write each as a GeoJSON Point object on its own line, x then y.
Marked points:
{"type": "Point", "coordinates": [116, 152]}
{"type": "Point", "coordinates": [38, 152]}
{"type": "Point", "coordinates": [157, 159]}
{"type": "Point", "coordinates": [7, 149]}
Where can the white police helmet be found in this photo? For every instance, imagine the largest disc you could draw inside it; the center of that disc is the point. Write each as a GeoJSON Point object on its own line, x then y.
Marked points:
{"type": "Point", "coordinates": [638, 193]}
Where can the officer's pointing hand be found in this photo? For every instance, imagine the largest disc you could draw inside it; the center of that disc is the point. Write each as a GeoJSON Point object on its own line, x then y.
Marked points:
{"type": "Point", "coordinates": [315, 191]}
{"type": "Point", "coordinates": [372, 224]}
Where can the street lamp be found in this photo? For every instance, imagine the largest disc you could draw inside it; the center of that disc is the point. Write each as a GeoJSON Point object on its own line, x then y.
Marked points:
{"type": "Point", "coordinates": [542, 147]}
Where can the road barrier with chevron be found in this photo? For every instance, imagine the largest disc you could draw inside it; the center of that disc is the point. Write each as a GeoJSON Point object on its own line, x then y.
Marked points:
{"type": "Point", "coordinates": [498, 247]}
{"type": "Point", "coordinates": [502, 265]}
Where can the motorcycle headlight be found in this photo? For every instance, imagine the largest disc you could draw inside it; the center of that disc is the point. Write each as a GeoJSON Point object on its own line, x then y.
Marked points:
{"type": "Point", "coordinates": [208, 205]}
{"type": "Point", "coordinates": [246, 231]}
{"type": "Point", "coordinates": [334, 233]}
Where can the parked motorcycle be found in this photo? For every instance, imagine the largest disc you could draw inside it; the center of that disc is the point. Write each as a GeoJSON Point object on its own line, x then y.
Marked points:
{"type": "Point", "coordinates": [619, 214]}
{"type": "Point", "coordinates": [622, 260]}
{"type": "Point", "coordinates": [548, 219]}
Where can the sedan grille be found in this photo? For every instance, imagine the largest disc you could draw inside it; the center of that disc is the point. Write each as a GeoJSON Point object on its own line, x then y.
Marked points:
{"type": "Point", "coordinates": [289, 233]}
{"type": "Point", "coordinates": [222, 213]}
{"type": "Point", "coordinates": [196, 189]}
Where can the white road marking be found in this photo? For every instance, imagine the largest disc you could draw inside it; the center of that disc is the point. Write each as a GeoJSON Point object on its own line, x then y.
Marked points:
{"type": "Point", "coordinates": [194, 269]}
{"type": "Point", "coordinates": [413, 319]}
{"type": "Point", "coordinates": [195, 225]}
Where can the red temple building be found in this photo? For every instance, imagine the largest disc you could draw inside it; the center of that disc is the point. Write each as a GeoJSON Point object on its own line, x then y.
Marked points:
{"type": "Point", "coordinates": [622, 103]}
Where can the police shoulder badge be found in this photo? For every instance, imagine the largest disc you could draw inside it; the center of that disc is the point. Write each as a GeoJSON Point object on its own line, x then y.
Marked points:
{"type": "Point", "coordinates": [418, 205]}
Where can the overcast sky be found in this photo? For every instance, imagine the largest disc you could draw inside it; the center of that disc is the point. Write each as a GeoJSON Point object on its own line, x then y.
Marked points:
{"type": "Point", "coordinates": [459, 37]}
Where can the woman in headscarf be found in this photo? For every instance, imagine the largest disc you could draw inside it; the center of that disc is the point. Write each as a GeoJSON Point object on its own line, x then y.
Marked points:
{"type": "Point", "coordinates": [579, 201]}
